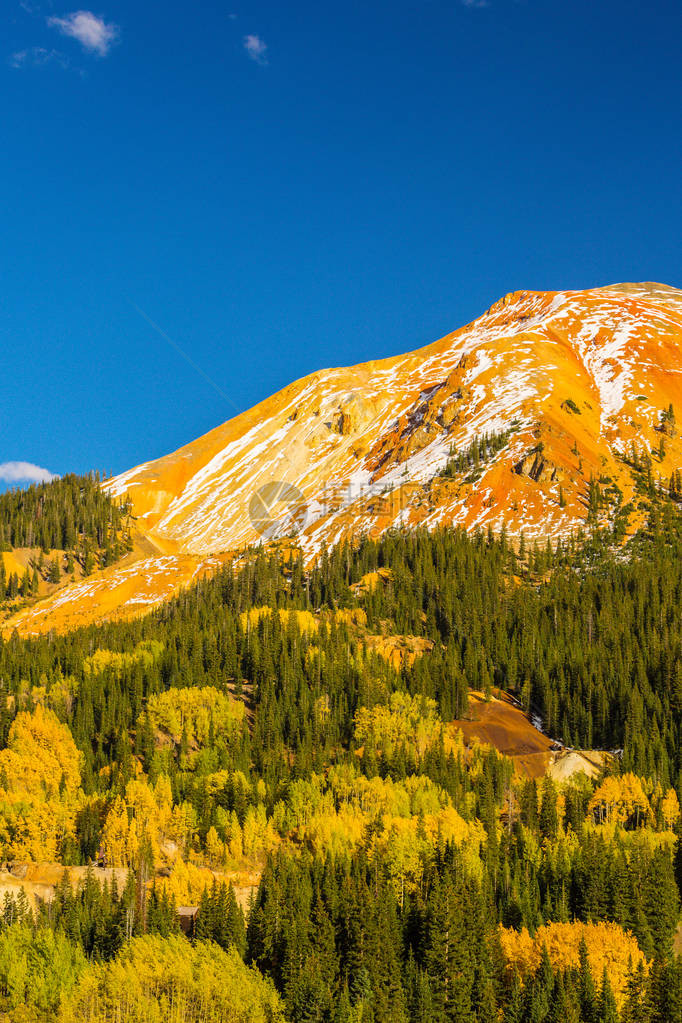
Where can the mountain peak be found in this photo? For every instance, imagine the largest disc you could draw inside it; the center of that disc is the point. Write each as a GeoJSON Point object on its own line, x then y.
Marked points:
{"type": "Point", "coordinates": [511, 420]}
{"type": "Point", "coordinates": [345, 437]}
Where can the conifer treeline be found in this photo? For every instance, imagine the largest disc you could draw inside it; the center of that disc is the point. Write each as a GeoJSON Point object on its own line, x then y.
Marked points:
{"type": "Point", "coordinates": [393, 926]}
{"type": "Point", "coordinates": [61, 514]}
{"type": "Point", "coordinates": [598, 652]}
{"type": "Point", "coordinates": [72, 515]}
{"type": "Point", "coordinates": [482, 448]}
{"type": "Point", "coordinates": [339, 947]}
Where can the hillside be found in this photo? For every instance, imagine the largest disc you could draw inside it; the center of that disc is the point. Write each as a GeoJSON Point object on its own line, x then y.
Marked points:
{"type": "Point", "coordinates": [549, 410]}
{"type": "Point", "coordinates": [330, 770]}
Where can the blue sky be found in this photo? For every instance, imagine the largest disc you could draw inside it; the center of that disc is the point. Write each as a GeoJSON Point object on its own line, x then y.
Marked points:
{"type": "Point", "coordinates": [283, 187]}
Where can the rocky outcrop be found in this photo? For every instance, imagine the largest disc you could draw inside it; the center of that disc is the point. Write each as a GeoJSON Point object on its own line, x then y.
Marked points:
{"type": "Point", "coordinates": [537, 467]}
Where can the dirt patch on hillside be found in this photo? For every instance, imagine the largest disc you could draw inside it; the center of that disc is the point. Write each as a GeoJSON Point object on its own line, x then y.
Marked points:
{"type": "Point", "coordinates": [569, 762]}
{"type": "Point", "coordinates": [39, 880]}
{"type": "Point", "coordinates": [503, 725]}
{"type": "Point", "coordinates": [500, 723]}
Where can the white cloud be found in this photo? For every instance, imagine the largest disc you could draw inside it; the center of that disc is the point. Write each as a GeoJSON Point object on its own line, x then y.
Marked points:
{"type": "Point", "coordinates": [37, 56]}
{"type": "Point", "coordinates": [94, 34]}
{"type": "Point", "coordinates": [256, 49]}
{"type": "Point", "coordinates": [25, 472]}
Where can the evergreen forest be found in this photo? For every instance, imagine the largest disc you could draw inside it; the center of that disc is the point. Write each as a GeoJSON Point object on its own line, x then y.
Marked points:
{"type": "Point", "coordinates": [253, 813]}
{"type": "Point", "coordinates": [68, 524]}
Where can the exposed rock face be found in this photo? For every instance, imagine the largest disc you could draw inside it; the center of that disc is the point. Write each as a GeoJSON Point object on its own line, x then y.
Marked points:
{"type": "Point", "coordinates": [588, 373]}
{"type": "Point", "coordinates": [451, 410]}
{"type": "Point", "coordinates": [538, 468]}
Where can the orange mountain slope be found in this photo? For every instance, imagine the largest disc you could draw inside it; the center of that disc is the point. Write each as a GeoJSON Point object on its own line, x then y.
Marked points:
{"type": "Point", "coordinates": [577, 378]}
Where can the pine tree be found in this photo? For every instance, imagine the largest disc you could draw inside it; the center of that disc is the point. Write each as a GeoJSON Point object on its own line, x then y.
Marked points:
{"type": "Point", "coordinates": [588, 997]}
{"type": "Point", "coordinates": [607, 1011]}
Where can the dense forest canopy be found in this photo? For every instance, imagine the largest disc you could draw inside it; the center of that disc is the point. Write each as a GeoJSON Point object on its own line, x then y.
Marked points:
{"type": "Point", "coordinates": [248, 737]}
{"type": "Point", "coordinates": [74, 518]}
{"type": "Point", "coordinates": [60, 514]}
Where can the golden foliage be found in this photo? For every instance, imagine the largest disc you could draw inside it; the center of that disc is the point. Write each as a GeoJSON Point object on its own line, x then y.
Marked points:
{"type": "Point", "coordinates": [369, 582]}
{"type": "Point", "coordinates": [626, 801]}
{"type": "Point", "coordinates": [406, 843]}
{"type": "Point", "coordinates": [57, 692]}
{"type": "Point", "coordinates": [305, 621]}
{"type": "Point", "coordinates": [186, 882]}
{"type": "Point", "coordinates": [193, 712]}
{"type": "Point", "coordinates": [37, 967]}
{"type": "Point", "coordinates": [39, 786]}
{"type": "Point", "coordinates": [258, 834]}
{"type": "Point", "coordinates": [670, 809]}
{"type": "Point", "coordinates": [145, 813]}
{"type": "Point", "coordinates": [646, 839]}
{"type": "Point", "coordinates": [409, 819]}
{"type": "Point", "coordinates": [399, 650]}
{"type": "Point", "coordinates": [41, 755]}
{"type": "Point", "coordinates": [351, 616]}
{"type": "Point", "coordinates": [169, 980]}
{"type": "Point", "coordinates": [146, 652]}
{"type": "Point", "coordinates": [409, 721]}
{"type": "Point", "coordinates": [608, 946]}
